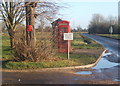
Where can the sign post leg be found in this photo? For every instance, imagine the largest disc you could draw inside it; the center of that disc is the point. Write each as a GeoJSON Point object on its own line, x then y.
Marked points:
{"type": "Point", "coordinates": [68, 37]}
{"type": "Point", "coordinates": [68, 50]}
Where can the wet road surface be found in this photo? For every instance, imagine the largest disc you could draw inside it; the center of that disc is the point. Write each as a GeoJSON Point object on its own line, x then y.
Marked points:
{"type": "Point", "coordinates": [106, 71]}
{"type": "Point", "coordinates": [109, 65]}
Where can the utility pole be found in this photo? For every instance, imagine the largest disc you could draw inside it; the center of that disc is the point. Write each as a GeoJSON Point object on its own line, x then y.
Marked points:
{"type": "Point", "coordinates": [30, 22]}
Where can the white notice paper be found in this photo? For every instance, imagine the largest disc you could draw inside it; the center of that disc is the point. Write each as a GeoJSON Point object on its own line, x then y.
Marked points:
{"type": "Point", "coordinates": [68, 36]}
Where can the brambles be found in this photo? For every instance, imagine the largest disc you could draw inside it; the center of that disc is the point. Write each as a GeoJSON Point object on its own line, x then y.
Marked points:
{"type": "Point", "coordinates": [33, 53]}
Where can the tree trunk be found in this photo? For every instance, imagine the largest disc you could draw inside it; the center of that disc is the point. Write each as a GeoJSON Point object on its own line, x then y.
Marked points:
{"type": "Point", "coordinates": [11, 35]}
{"type": "Point", "coordinates": [27, 23]}
{"type": "Point", "coordinates": [30, 20]}
{"type": "Point", "coordinates": [11, 42]}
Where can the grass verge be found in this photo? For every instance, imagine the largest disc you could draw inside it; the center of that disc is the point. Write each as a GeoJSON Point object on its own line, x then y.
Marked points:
{"type": "Point", "coordinates": [6, 49]}
{"type": "Point", "coordinates": [76, 59]}
{"type": "Point", "coordinates": [83, 42]}
{"type": "Point", "coordinates": [114, 36]}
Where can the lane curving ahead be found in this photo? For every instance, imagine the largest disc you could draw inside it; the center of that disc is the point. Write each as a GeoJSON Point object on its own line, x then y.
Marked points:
{"type": "Point", "coordinates": [108, 68]}
{"type": "Point", "coordinates": [112, 45]}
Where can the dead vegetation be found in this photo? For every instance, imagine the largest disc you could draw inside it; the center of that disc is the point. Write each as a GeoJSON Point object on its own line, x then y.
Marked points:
{"type": "Point", "coordinates": [41, 51]}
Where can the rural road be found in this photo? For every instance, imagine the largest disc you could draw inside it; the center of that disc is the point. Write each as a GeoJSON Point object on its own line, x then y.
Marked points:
{"type": "Point", "coordinates": [105, 72]}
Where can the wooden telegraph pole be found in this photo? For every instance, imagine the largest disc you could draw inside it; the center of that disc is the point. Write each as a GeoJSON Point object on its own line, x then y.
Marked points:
{"type": "Point", "coordinates": [30, 21]}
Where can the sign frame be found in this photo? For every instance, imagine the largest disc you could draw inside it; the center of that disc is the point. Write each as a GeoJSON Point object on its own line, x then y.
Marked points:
{"type": "Point", "coordinates": [68, 36]}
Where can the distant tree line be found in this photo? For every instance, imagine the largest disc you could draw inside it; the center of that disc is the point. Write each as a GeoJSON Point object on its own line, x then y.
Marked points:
{"type": "Point", "coordinates": [101, 25]}
{"type": "Point", "coordinates": [79, 29]}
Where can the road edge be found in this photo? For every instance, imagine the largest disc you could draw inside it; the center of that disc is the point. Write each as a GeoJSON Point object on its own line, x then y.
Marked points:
{"type": "Point", "coordinates": [60, 68]}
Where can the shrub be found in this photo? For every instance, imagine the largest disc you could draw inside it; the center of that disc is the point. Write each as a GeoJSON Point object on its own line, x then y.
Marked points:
{"type": "Point", "coordinates": [34, 53]}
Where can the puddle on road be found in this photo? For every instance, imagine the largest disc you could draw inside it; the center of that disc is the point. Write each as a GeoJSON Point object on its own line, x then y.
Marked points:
{"type": "Point", "coordinates": [84, 72]}
{"type": "Point", "coordinates": [107, 54]}
{"type": "Point", "coordinates": [116, 80]}
{"type": "Point", "coordinates": [103, 63]}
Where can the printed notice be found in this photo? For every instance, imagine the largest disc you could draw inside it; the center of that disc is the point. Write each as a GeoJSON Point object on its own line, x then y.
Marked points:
{"type": "Point", "coordinates": [68, 36]}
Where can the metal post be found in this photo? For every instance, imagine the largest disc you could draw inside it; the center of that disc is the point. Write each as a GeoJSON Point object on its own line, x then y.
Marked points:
{"type": "Point", "coordinates": [68, 50]}
{"type": "Point", "coordinates": [111, 31]}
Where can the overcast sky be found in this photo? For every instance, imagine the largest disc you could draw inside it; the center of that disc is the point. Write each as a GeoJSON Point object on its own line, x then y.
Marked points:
{"type": "Point", "coordinates": [80, 12]}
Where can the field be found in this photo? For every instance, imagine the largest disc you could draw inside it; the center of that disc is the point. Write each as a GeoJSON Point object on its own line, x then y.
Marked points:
{"type": "Point", "coordinates": [77, 56]}
{"type": "Point", "coordinates": [83, 42]}
{"type": "Point", "coordinates": [6, 50]}
{"type": "Point", "coordinates": [115, 36]}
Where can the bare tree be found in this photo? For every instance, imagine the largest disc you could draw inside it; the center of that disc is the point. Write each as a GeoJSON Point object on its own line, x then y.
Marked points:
{"type": "Point", "coordinates": [97, 18]}
{"type": "Point", "coordinates": [12, 15]}
{"type": "Point", "coordinates": [79, 29]}
{"type": "Point", "coordinates": [47, 13]}
{"type": "Point", "coordinates": [99, 24]}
